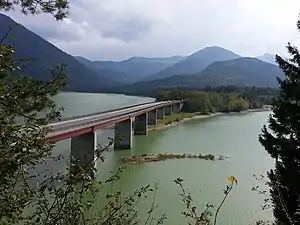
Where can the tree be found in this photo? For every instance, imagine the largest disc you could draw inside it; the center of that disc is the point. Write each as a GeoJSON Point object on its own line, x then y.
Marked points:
{"type": "Point", "coordinates": [282, 141]}
{"type": "Point", "coordinates": [26, 108]}
{"type": "Point", "coordinates": [58, 8]}
{"type": "Point", "coordinates": [22, 132]}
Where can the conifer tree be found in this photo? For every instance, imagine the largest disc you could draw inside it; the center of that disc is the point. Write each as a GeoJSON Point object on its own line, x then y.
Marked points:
{"type": "Point", "coordinates": [281, 140]}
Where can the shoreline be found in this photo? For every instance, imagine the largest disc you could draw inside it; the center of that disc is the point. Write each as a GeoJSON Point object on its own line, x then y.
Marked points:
{"type": "Point", "coordinates": [161, 127]}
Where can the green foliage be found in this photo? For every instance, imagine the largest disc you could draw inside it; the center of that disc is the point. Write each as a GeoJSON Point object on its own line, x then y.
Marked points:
{"type": "Point", "coordinates": [26, 109]}
{"type": "Point", "coordinates": [281, 140]}
{"type": "Point", "coordinates": [45, 55]}
{"type": "Point", "coordinates": [58, 8]}
{"type": "Point", "coordinates": [218, 99]}
{"type": "Point", "coordinates": [207, 217]}
{"type": "Point", "coordinates": [23, 130]}
{"type": "Point", "coordinates": [175, 117]}
{"type": "Point", "coordinates": [27, 197]}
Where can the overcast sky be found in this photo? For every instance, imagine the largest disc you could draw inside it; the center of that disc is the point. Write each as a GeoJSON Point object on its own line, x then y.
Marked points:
{"type": "Point", "coordinates": [119, 29]}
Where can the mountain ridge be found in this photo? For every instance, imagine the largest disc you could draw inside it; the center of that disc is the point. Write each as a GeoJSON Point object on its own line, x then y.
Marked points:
{"type": "Point", "coordinates": [134, 68]}
{"type": "Point", "coordinates": [209, 66]}
{"type": "Point", "coordinates": [242, 72]}
{"type": "Point", "coordinates": [196, 62]}
{"type": "Point", "coordinates": [46, 56]}
{"type": "Point", "coordinates": [267, 57]}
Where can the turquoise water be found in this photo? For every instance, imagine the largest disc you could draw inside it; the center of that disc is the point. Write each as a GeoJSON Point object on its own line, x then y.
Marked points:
{"type": "Point", "coordinates": [234, 136]}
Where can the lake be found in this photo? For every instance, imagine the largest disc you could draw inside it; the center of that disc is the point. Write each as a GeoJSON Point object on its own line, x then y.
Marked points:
{"type": "Point", "coordinates": [235, 136]}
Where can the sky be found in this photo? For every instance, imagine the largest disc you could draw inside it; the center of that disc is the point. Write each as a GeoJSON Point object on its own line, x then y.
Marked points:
{"type": "Point", "coordinates": [120, 29]}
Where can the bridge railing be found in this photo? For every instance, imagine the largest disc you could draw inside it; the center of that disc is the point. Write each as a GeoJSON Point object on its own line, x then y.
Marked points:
{"type": "Point", "coordinates": [87, 122]}
{"type": "Point", "coordinates": [99, 113]}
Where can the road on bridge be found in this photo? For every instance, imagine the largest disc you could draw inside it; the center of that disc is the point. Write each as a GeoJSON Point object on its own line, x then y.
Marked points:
{"type": "Point", "coordinates": [94, 121]}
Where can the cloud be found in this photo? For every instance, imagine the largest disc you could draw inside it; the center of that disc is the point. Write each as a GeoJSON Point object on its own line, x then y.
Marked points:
{"type": "Point", "coordinates": [127, 30]}
{"type": "Point", "coordinates": [115, 30]}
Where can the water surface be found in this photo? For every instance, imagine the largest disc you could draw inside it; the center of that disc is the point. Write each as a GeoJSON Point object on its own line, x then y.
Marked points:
{"type": "Point", "coordinates": [234, 136]}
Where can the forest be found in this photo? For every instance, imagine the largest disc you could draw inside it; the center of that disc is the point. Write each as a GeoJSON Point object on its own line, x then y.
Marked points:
{"type": "Point", "coordinates": [220, 99]}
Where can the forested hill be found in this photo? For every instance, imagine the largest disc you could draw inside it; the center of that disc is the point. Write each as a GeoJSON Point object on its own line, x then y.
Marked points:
{"type": "Point", "coordinates": [196, 62]}
{"type": "Point", "coordinates": [238, 72]}
{"type": "Point", "coordinates": [132, 69]}
{"type": "Point", "coordinates": [220, 99]}
{"type": "Point", "coordinates": [46, 56]}
{"type": "Point", "coordinates": [243, 71]}
{"type": "Point", "coordinates": [211, 66]}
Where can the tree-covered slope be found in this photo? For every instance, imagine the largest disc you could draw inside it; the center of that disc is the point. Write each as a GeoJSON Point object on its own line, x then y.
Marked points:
{"type": "Point", "coordinates": [132, 69]}
{"type": "Point", "coordinates": [45, 56]}
{"type": "Point", "coordinates": [196, 62]}
{"type": "Point", "coordinates": [238, 72]}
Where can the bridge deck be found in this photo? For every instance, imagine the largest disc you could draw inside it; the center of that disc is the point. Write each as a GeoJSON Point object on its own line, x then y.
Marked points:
{"type": "Point", "coordinates": [88, 123]}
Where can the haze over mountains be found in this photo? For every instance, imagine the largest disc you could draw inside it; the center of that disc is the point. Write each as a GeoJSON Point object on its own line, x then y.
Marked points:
{"type": "Point", "coordinates": [196, 62]}
{"type": "Point", "coordinates": [46, 56]}
{"type": "Point", "coordinates": [211, 66]}
{"type": "Point", "coordinates": [267, 57]}
{"type": "Point", "coordinates": [133, 69]}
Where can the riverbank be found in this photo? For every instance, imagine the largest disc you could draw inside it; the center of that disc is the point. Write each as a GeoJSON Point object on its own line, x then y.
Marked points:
{"type": "Point", "coordinates": [178, 118]}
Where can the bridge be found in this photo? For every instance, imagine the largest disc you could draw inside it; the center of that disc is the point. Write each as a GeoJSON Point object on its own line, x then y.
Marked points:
{"type": "Point", "coordinates": [128, 121]}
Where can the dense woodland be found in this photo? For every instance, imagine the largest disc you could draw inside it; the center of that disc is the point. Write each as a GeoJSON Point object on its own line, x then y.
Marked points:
{"type": "Point", "coordinates": [220, 99]}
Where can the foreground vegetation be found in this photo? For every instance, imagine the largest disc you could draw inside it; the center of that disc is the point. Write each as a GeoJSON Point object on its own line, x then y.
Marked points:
{"type": "Point", "coordinates": [220, 99]}
{"type": "Point", "coordinates": [28, 197]}
{"type": "Point", "coordinates": [63, 200]}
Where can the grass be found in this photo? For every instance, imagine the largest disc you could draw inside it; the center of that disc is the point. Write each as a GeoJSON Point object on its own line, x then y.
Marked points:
{"type": "Point", "coordinates": [176, 117]}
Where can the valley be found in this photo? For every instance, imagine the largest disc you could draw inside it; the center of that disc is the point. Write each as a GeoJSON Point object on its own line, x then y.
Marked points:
{"type": "Point", "coordinates": [211, 66]}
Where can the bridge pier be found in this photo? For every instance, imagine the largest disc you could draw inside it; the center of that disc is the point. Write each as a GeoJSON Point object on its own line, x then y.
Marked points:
{"type": "Point", "coordinates": [181, 106]}
{"type": "Point", "coordinates": [83, 155]}
{"type": "Point", "coordinates": [168, 110]}
{"type": "Point", "coordinates": [161, 113]}
{"type": "Point", "coordinates": [177, 107]}
{"type": "Point", "coordinates": [152, 117]}
{"type": "Point", "coordinates": [123, 135]}
{"type": "Point", "coordinates": [140, 124]}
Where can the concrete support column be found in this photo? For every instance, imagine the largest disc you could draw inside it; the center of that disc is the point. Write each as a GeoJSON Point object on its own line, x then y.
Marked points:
{"type": "Point", "coordinates": [123, 135]}
{"type": "Point", "coordinates": [177, 107]}
{"type": "Point", "coordinates": [83, 155]}
{"type": "Point", "coordinates": [161, 113]}
{"type": "Point", "coordinates": [140, 124]}
{"type": "Point", "coordinates": [152, 117]}
{"type": "Point", "coordinates": [168, 110]}
{"type": "Point", "coordinates": [181, 106]}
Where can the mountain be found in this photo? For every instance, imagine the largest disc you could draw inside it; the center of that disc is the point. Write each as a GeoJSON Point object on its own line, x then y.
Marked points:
{"type": "Point", "coordinates": [117, 76]}
{"type": "Point", "coordinates": [196, 62]}
{"type": "Point", "coordinates": [267, 57]}
{"type": "Point", "coordinates": [132, 69]}
{"type": "Point", "coordinates": [46, 56]}
{"type": "Point", "coordinates": [241, 72]}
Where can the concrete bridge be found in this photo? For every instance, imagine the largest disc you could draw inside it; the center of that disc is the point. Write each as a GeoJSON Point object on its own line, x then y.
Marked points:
{"type": "Point", "coordinates": [128, 121]}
